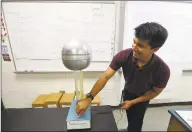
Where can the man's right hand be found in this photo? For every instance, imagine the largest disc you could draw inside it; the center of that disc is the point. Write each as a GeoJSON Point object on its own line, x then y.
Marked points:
{"type": "Point", "coordinates": [82, 105]}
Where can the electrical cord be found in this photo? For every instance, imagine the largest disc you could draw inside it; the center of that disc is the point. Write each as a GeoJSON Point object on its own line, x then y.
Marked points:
{"type": "Point", "coordinates": [121, 115]}
{"type": "Point", "coordinates": [120, 110]}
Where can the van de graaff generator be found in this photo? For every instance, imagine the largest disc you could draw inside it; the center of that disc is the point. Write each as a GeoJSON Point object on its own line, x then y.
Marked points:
{"type": "Point", "coordinates": [76, 56]}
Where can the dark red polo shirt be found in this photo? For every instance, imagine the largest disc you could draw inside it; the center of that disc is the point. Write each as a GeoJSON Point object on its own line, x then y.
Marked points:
{"type": "Point", "coordinates": [138, 81]}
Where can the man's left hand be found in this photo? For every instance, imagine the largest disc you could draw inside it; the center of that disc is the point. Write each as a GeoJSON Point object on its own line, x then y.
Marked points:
{"type": "Point", "coordinates": [126, 104]}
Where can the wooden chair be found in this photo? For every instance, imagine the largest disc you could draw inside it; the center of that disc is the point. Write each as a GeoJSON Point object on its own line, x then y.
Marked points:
{"type": "Point", "coordinates": [40, 101]}
{"type": "Point", "coordinates": [53, 99]}
{"type": "Point", "coordinates": [66, 99]}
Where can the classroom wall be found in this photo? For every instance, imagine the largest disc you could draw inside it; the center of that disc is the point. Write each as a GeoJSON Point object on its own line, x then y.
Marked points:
{"type": "Point", "coordinates": [19, 90]}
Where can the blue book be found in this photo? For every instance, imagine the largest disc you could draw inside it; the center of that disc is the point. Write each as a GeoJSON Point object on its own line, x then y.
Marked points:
{"type": "Point", "coordinates": [76, 122]}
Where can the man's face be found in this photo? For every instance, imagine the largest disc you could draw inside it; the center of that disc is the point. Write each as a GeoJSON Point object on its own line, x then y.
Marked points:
{"type": "Point", "coordinates": [141, 49]}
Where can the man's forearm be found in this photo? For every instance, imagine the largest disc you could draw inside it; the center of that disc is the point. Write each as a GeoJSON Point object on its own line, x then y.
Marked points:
{"type": "Point", "coordinates": [148, 96]}
{"type": "Point", "coordinates": [99, 85]}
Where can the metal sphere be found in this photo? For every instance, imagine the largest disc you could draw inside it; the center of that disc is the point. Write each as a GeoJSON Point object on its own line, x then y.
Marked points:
{"type": "Point", "coordinates": [76, 55]}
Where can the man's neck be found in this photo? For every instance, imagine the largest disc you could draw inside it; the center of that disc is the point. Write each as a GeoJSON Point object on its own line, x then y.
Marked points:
{"type": "Point", "coordinates": [141, 63]}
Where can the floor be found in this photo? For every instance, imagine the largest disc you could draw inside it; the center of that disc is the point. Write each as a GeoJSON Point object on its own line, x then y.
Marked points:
{"type": "Point", "coordinates": [156, 118]}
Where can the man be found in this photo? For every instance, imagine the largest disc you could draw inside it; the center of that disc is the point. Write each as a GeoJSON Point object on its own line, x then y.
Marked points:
{"type": "Point", "coordinates": [145, 74]}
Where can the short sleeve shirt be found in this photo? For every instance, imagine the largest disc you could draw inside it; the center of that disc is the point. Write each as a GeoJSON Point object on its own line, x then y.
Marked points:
{"type": "Point", "coordinates": [138, 81]}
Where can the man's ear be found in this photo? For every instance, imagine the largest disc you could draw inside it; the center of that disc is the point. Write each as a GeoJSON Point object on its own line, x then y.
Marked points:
{"type": "Point", "coordinates": [155, 50]}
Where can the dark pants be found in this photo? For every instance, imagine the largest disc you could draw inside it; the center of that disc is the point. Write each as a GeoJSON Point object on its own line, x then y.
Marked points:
{"type": "Point", "coordinates": [135, 113]}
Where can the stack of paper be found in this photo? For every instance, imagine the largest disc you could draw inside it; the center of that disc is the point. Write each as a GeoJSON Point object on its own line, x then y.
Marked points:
{"type": "Point", "coordinates": [75, 122]}
{"type": "Point", "coordinates": [186, 116]}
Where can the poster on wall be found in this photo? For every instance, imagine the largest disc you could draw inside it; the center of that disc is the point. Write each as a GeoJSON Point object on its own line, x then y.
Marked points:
{"type": "Point", "coordinates": [3, 30]}
{"type": "Point", "coordinates": [4, 47]}
{"type": "Point", "coordinates": [5, 54]}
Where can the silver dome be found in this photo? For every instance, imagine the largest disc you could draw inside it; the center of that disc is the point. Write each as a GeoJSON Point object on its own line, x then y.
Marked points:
{"type": "Point", "coordinates": [76, 55]}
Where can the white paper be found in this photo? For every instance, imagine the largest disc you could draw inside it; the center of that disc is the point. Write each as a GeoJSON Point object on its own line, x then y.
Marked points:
{"type": "Point", "coordinates": [186, 116]}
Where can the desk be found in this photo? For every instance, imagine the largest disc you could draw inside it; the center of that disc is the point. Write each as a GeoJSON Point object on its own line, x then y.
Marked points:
{"type": "Point", "coordinates": [176, 123]}
{"type": "Point", "coordinates": [54, 119]}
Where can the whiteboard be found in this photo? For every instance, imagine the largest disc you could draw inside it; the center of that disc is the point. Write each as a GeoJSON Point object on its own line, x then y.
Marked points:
{"type": "Point", "coordinates": [175, 17]}
{"type": "Point", "coordinates": [38, 31]}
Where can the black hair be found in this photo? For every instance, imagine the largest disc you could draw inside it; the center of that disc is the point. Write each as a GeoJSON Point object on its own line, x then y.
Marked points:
{"type": "Point", "coordinates": [155, 33]}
